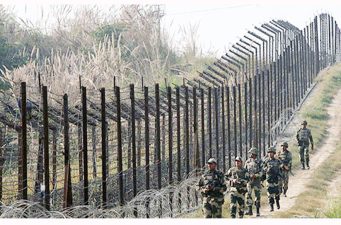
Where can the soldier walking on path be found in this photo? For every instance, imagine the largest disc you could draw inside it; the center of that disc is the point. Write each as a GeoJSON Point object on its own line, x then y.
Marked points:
{"type": "Point", "coordinates": [285, 157]}
{"type": "Point", "coordinates": [238, 177]}
{"type": "Point", "coordinates": [303, 138]}
{"type": "Point", "coordinates": [254, 168]}
{"type": "Point", "coordinates": [272, 172]}
{"type": "Point", "coordinates": [212, 187]}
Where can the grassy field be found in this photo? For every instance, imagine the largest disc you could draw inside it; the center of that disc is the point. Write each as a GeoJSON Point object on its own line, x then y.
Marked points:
{"type": "Point", "coordinates": [315, 112]}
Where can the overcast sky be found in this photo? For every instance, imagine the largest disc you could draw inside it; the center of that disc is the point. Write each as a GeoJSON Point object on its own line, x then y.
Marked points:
{"type": "Point", "coordinates": [220, 23]}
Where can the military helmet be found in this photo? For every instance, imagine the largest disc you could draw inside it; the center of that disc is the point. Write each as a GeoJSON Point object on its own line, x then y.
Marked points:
{"type": "Point", "coordinates": [253, 150]}
{"type": "Point", "coordinates": [304, 122]}
{"type": "Point", "coordinates": [285, 144]}
{"type": "Point", "coordinates": [238, 158]}
{"type": "Point", "coordinates": [212, 160]}
{"type": "Point", "coordinates": [272, 149]}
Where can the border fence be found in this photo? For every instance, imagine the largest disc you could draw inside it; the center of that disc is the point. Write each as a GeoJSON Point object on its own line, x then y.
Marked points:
{"type": "Point", "coordinates": [143, 147]}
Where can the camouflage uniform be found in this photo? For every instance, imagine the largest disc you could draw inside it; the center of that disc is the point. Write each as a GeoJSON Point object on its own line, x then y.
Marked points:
{"type": "Point", "coordinates": [254, 168]}
{"type": "Point", "coordinates": [238, 189]}
{"type": "Point", "coordinates": [304, 138]}
{"type": "Point", "coordinates": [286, 159]}
{"type": "Point", "coordinates": [272, 172]}
{"type": "Point", "coordinates": [214, 198]}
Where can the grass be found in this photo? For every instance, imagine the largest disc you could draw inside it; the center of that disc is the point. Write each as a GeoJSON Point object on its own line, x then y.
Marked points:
{"type": "Point", "coordinates": [335, 210]}
{"type": "Point", "coordinates": [315, 112]}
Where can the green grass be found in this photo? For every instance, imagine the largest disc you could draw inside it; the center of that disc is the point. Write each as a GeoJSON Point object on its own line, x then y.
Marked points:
{"type": "Point", "coordinates": [315, 112]}
{"type": "Point", "coordinates": [335, 210]}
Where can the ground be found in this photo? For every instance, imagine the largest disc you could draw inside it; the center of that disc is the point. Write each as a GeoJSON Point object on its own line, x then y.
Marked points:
{"type": "Point", "coordinates": [311, 192]}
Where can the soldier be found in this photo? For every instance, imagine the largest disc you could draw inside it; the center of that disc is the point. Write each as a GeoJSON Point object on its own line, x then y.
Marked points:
{"type": "Point", "coordinates": [212, 187]}
{"type": "Point", "coordinates": [286, 159]}
{"type": "Point", "coordinates": [238, 177]}
{"type": "Point", "coordinates": [303, 137]}
{"type": "Point", "coordinates": [254, 168]}
{"type": "Point", "coordinates": [272, 172]}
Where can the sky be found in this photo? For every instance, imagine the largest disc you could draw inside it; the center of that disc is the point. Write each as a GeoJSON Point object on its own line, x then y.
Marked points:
{"type": "Point", "coordinates": [220, 23]}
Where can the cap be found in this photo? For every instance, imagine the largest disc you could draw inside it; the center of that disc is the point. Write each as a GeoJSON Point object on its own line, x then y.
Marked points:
{"type": "Point", "coordinates": [272, 149]}
{"type": "Point", "coordinates": [304, 123]}
{"type": "Point", "coordinates": [212, 160]}
{"type": "Point", "coordinates": [285, 144]}
{"type": "Point", "coordinates": [253, 150]}
{"type": "Point", "coordinates": [238, 158]}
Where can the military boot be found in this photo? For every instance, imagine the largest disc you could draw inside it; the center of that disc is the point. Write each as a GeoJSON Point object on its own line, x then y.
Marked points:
{"type": "Point", "coordinates": [303, 167]}
{"type": "Point", "coordinates": [271, 207]}
{"type": "Point", "coordinates": [249, 211]}
{"type": "Point", "coordinates": [308, 167]}
{"type": "Point", "coordinates": [285, 192]}
{"type": "Point", "coordinates": [241, 215]}
{"type": "Point", "coordinates": [277, 202]}
{"type": "Point", "coordinates": [257, 209]}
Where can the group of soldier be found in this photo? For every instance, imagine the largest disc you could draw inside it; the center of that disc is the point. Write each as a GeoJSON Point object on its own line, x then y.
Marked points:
{"type": "Point", "coordinates": [245, 179]}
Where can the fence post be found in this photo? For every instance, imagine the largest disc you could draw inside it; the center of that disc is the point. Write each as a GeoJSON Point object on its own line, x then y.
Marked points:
{"type": "Point", "coordinates": [85, 146]}
{"type": "Point", "coordinates": [170, 145]}
{"type": "Point", "coordinates": [133, 137]}
{"type": "Point", "coordinates": [178, 134]}
{"type": "Point", "coordinates": [203, 147]}
{"type": "Point", "coordinates": [46, 149]}
{"type": "Point", "coordinates": [234, 120]}
{"type": "Point", "coordinates": [210, 122]}
{"type": "Point", "coordinates": [24, 140]}
{"type": "Point", "coordinates": [228, 124]}
{"type": "Point", "coordinates": [146, 119]}
{"type": "Point", "coordinates": [240, 120]}
{"type": "Point", "coordinates": [119, 146]}
{"type": "Point", "coordinates": [158, 135]}
{"type": "Point", "coordinates": [195, 130]}
{"type": "Point", "coordinates": [67, 176]}
{"type": "Point", "coordinates": [223, 127]}
{"type": "Point", "coordinates": [216, 112]}
{"type": "Point", "coordinates": [245, 118]}
{"type": "Point", "coordinates": [187, 129]}
{"type": "Point", "coordinates": [104, 149]}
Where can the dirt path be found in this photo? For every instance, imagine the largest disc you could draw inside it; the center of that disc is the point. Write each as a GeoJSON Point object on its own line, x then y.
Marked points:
{"type": "Point", "coordinates": [298, 182]}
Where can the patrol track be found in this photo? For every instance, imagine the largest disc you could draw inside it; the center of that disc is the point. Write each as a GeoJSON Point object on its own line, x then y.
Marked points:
{"type": "Point", "coordinates": [298, 183]}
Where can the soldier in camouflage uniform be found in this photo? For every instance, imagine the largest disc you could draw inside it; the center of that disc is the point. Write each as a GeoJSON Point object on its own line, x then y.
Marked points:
{"type": "Point", "coordinates": [303, 137]}
{"type": "Point", "coordinates": [238, 177]}
{"type": "Point", "coordinates": [212, 187]}
{"type": "Point", "coordinates": [254, 168]}
{"type": "Point", "coordinates": [272, 172]}
{"type": "Point", "coordinates": [286, 159]}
